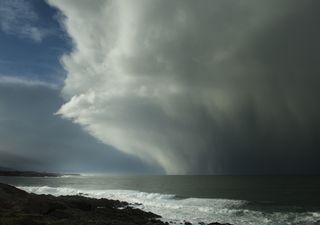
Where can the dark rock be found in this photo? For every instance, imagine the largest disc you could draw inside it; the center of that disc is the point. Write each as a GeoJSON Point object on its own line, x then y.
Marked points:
{"type": "Point", "coordinates": [18, 207]}
{"type": "Point", "coordinates": [59, 214]}
{"type": "Point", "coordinates": [219, 223]}
{"type": "Point", "coordinates": [14, 173]}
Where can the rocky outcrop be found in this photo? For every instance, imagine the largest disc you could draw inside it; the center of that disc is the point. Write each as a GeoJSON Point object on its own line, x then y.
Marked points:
{"type": "Point", "coordinates": [18, 207]}
{"type": "Point", "coordinates": [15, 173]}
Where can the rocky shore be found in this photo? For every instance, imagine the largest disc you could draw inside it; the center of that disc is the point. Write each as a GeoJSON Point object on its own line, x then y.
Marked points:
{"type": "Point", "coordinates": [18, 207]}
{"type": "Point", "coordinates": [16, 173]}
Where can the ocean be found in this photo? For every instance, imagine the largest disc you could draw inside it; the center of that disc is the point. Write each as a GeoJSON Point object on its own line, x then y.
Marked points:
{"type": "Point", "coordinates": [239, 200]}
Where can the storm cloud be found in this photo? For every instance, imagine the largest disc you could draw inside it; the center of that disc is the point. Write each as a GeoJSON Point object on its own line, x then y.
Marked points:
{"type": "Point", "coordinates": [33, 138]}
{"type": "Point", "coordinates": [198, 87]}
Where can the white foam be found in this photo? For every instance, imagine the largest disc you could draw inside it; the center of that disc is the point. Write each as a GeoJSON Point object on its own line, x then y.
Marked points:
{"type": "Point", "coordinates": [191, 209]}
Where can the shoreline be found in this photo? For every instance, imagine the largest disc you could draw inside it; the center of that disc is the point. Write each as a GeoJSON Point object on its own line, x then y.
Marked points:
{"type": "Point", "coordinates": [18, 207]}
{"type": "Point", "coordinates": [17, 173]}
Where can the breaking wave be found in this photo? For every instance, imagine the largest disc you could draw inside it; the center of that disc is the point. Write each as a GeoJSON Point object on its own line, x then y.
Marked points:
{"type": "Point", "coordinates": [195, 210]}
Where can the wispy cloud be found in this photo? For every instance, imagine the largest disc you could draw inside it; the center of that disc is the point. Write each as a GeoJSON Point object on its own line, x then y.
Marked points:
{"type": "Point", "coordinates": [17, 17]}
{"type": "Point", "coordinates": [13, 80]}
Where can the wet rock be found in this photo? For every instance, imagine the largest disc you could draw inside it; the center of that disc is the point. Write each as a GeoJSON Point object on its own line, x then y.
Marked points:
{"type": "Point", "coordinates": [18, 207]}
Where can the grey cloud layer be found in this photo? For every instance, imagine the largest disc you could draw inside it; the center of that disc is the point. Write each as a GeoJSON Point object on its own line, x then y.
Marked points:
{"type": "Point", "coordinates": [198, 87]}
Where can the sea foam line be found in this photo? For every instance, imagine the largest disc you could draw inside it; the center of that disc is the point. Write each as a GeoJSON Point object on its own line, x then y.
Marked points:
{"type": "Point", "coordinates": [194, 210]}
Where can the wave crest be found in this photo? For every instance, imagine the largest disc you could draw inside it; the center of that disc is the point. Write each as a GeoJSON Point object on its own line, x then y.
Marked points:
{"type": "Point", "coordinates": [194, 210]}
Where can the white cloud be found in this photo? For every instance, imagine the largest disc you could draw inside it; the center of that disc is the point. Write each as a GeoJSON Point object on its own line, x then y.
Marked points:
{"type": "Point", "coordinates": [13, 80]}
{"type": "Point", "coordinates": [166, 80]}
{"type": "Point", "coordinates": [18, 17]}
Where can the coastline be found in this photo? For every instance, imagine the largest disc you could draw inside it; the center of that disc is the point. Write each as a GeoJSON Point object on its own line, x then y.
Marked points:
{"type": "Point", "coordinates": [17, 173]}
{"type": "Point", "coordinates": [18, 207]}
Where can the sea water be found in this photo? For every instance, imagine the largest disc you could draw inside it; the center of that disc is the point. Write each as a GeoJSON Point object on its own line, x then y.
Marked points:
{"type": "Point", "coordinates": [239, 200]}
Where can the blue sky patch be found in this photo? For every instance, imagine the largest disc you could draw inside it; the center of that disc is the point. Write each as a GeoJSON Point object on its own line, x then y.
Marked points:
{"type": "Point", "coordinates": [31, 41]}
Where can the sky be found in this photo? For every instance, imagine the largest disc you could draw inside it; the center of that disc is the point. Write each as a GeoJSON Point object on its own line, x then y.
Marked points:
{"type": "Point", "coordinates": [160, 87]}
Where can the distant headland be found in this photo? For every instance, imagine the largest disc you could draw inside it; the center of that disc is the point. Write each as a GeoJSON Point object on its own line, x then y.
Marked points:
{"type": "Point", "coordinates": [19, 173]}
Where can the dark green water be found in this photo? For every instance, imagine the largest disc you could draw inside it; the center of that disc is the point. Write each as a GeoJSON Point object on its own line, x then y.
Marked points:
{"type": "Point", "coordinates": [299, 189]}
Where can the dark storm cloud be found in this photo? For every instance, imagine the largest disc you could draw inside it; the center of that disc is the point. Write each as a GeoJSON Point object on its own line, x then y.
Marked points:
{"type": "Point", "coordinates": [277, 128]}
{"type": "Point", "coordinates": [32, 137]}
{"type": "Point", "coordinates": [198, 87]}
